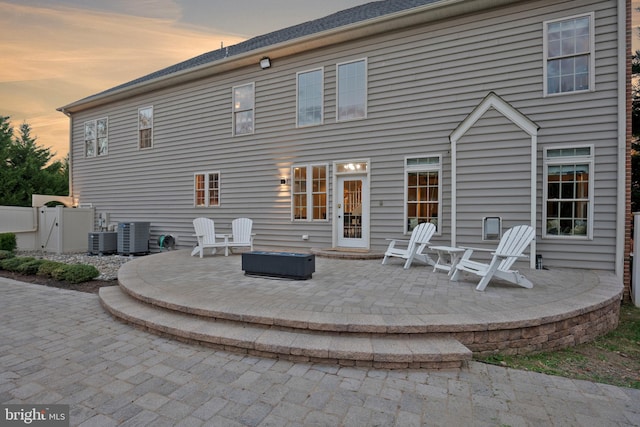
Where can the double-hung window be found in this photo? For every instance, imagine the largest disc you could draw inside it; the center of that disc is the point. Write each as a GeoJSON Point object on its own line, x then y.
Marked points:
{"type": "Point", "coordinates": [96, 141]}
{"type": "Point", "coordinates": [569, 55]}
{"type": "Point", "coordinates": [352, 90]}
{"type": "Point", "coordinates": [243, 106]}
{"type": "Point", "coordinates": [310, 96]}
{"type": "Point", "coordinates": [568, 192]}
{"type": "Point", "coordinates": [207, 189]}
{"type": "Point", "coordinates": [145, 127]}
{"type": "Point", "coordinates": [423, 191]}
{"type": "Point", "coordinates": [309, 192]}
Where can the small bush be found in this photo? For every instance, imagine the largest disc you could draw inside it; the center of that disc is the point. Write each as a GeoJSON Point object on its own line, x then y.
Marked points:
{"type": "Point", "coordinates": [59, 273]}
{"type": "Point", "coordinates": [8, 242]}
{"type": "Point", "coordinates": [6, 254]}
{"type": "Point", "coordinates": [30, 267]}
{"type": "Point", "coordinates": [75, 273]}
{"type": "Point", "coordinates": [79, 273]}
{"type": "Point", "coordinates": [47, 267]}
{"type": "Point", "coordinates": [13, 264]}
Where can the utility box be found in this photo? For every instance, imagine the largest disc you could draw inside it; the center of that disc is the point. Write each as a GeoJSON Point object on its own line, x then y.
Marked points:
{"type": "Point", "coordinates": [279, 264]}
{"type": "Point", "coordinates": [133, 237]}
{"type": "Point", "coordinates": [103, 242]}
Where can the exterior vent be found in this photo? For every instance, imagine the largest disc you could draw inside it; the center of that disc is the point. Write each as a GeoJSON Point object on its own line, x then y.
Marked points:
{"type": "Point", "coordinates": [101, 243]}
{"type": "Point", "coordinates": [133, 237]}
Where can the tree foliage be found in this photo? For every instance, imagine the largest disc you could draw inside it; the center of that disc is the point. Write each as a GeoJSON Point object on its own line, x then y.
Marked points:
{"type": "Point", "coordinates": [26, 168]}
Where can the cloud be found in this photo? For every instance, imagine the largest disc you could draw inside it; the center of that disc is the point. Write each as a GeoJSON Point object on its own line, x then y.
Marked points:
{"type": "Point", "coordinates": [56, 55]}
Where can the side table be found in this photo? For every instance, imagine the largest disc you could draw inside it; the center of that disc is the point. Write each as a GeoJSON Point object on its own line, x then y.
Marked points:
{"type": "Point", "coordinates": [448, 258]}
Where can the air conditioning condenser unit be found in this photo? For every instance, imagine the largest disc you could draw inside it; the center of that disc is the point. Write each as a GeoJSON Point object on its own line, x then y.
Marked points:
{"type": "Point", "coordinates": [133, 237]}
{"type": "Point", "coordinates": [102, 243]}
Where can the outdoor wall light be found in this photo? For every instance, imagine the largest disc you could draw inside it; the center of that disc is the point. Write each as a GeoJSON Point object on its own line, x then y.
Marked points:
{"type": "Point", "coordinates": [265, 63]}
{"type": "Point", "coordinates": [283, 181]}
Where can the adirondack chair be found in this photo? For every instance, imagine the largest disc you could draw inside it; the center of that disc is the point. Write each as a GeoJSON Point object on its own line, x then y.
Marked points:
{"type": "Point", "coordinates": [420, 237]}
{"type": "Point", "coordinates": [511, 247]}
{"type": "Point", "coordinates": [206, 235]}
{"type": "Point", "coordinates": [241, 233]}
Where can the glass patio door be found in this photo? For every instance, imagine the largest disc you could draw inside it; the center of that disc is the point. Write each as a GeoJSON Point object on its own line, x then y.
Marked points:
{"type": "Point", "coordinates": [352, 212]}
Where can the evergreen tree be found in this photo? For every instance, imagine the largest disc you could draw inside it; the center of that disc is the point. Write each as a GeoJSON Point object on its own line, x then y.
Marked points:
{"type": "Point", "coordinates": [25, 168]}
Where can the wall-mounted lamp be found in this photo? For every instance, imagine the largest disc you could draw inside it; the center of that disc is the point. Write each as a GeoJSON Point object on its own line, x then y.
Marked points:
{"type": "Point", "coordinates": [283, 181]}
{"type": "Point", "coordinates": [265, 63]}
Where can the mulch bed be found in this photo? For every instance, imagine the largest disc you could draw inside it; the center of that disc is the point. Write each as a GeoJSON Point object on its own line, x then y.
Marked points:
{"type": "Point", "coordinates": [90, 287]}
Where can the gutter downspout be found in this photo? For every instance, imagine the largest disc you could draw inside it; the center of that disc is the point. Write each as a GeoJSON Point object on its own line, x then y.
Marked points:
{"type": "Point", "coordinates": [622, 139]}
{"type": "Point", "coordinates": [66, 113]}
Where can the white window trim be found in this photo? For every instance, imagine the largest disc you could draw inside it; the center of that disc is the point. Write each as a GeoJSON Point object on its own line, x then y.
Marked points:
{"type": "Point", "coordinates": [95, 141]}
{"type": "Point", "coordinates": [423, 168]}
{"type": "Point", "coordinates": [309, 192]}
{"type": "Point", "coordinates": [547, 161]}
{"type": "Point", "coordinates": [234, 111]}
{"type": "Point", "coordinates": [106, 153]}
{"type": "Point", "coordinates": [206, 189]}
{"type": "Point", "coordinates": [153, 122]}
{"type": "Point", "coordinates": [298, 125]}
{"type": "Point", "coordinates": [366, 89]}
{"type": "Point", "coordinates": [592, 55]}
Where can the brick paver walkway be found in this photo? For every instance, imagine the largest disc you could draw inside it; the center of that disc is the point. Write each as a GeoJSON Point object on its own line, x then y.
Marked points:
{"type": "Point", "coordinates": [60, 346]}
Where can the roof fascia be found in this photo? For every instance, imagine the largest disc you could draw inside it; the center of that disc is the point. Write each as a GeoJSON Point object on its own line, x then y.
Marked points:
{"type": "Point", "coordinates": [390, 22]}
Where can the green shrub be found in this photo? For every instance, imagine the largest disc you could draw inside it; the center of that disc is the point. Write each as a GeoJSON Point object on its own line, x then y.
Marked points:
{"type": "Point", "coordinates": [78, 273]}
{"type": "Point", "coordinates": [8, 242]}
{"type": "Point", "coordinates": [59, 273]}
{"type": "Point", "coordinates": [6, 254]}
{"type": "Point", "coordinates": [47, 267]}
{"type": "Point", "coordinates": [72, 273]}
{"type": "Point", "coordinates": [30, 267]}
{"type": "Point", "coordinates": [13, 264]}
{"type": "Point", "coordinates": [75, 273]}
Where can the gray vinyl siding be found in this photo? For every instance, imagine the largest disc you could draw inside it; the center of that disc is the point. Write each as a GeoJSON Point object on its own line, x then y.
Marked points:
{"type": "Point", "coordinates": [493, 178]}
{"type": "Point", "coordinates": [422, 82]}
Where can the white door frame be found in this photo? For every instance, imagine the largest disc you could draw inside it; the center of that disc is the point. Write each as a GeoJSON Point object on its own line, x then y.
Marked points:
{"type": "Point", "coordinates": [344, 170]}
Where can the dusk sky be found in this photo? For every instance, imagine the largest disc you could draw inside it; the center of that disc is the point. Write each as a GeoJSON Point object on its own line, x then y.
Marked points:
{"type": "Point", "coordinates": [55, 52]}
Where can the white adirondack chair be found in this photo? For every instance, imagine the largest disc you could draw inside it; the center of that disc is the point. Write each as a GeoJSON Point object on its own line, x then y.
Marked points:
{"type": "Point", "coordinates": [412, 249]}
{"type": "Point", "coordinates": [241, 233]}
{"type": "Point", "coordinates": [206, 235]}
{"type": "Point", "coordinates": [511, 247]}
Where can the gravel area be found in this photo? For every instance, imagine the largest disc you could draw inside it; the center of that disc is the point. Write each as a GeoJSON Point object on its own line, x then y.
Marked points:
{"type": "Point", "coordinates": [108, 265]}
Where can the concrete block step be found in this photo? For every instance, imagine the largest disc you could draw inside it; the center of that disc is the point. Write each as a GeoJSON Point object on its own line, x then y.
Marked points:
{"type": "Point", "coordinates": [378, 350]}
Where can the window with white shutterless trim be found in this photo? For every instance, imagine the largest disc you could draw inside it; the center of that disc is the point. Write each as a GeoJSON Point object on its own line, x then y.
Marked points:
{"type": "Point", "coordinates": [206, 189]}
{"type": "Point", "coordinates": [309, 186]}
{"type": "Point", "coordinates": [568, 192]}
{"type": "Point", "coordinates": [569, 55]}
{"type": "Point", "coordinates": [423, 191]}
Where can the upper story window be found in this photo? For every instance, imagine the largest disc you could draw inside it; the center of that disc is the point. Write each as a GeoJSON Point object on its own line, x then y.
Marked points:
{"type": "Point", "coordinates": [207, 189]}
{"type": "Point", "coordinates": [310, 97]}
{"type": "Point", "coordinates": [352, 90]}
{"type": "Point", "coordinates": [309, 192]}
{"type": "Point", "coordinates": [96, 140]}
{"type": "Point", "coordinates": [243, 106]}
{"type": "Point", "coordinates": [423, 191]}
{"type": "Point", "coordinates": [568, 192]}
{"type": "Point", "coordinates": [569, 55]}
{"type": "Point", "coordinates": [145, 127]}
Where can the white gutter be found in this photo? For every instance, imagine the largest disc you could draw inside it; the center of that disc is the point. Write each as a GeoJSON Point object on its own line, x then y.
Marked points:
{"type": "Point", "coordinates": [390, 22]}
{"type": "Point", "coordinates": [622, 139]}
{"type": "Point", "coordinates": [66, 113]}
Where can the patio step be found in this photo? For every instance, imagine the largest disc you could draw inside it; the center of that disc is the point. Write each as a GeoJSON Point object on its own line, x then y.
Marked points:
{"type": "Point", "coordinates": [430, 351]}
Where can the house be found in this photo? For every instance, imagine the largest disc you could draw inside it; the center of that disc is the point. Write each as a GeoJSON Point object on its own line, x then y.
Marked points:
{"type": "Point", "coordinates": [353, 128]}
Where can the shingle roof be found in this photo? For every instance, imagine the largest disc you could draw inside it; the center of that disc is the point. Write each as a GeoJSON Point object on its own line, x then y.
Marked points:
{"type": "Point", "coordinates": [339, 19]}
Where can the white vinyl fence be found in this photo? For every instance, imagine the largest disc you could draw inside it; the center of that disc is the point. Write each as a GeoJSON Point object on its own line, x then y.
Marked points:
{"type": "Point", "coordinates": [57, 229]}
